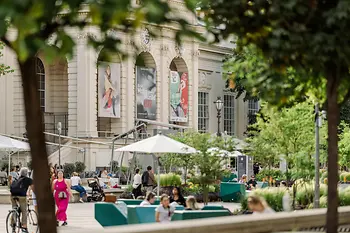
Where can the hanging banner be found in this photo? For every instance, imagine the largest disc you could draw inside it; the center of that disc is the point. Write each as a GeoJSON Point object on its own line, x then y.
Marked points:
{"type": "Point", "coordinates": [109, 90]}
{"type": "Point", "coordinates": [146, 93]}
{"type": "Point", "coordinates": [178, 96]}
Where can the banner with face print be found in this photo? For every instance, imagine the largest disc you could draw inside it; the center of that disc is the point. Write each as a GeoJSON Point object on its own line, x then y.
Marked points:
{"type": "Point", "coordinates": [109, 90]}
{"type": "Point", "coordinates": [146, 93]}
{"type": "Point", "coordinates": [178, 96]}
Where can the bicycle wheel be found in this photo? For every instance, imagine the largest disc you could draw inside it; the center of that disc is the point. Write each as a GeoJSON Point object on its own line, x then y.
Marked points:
{"type": "Point", "coordinates": [32, 221]}
{"type": "Point", "coordinates": [13, 222]}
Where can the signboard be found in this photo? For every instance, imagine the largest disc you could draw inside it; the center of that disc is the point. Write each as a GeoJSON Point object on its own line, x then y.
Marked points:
{"type": "Point", "coordinates": [109, 90]}
{"type": "Point", "coordinates": [146, 93]}
{"type": "Point", "coordinates": [178, 96]}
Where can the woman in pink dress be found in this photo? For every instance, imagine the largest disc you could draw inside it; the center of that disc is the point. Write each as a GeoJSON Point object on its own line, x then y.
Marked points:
{"type": "Point", "coordinates": [62, 193]}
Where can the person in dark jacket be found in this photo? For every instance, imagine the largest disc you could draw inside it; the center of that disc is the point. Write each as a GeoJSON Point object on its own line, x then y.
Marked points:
{"type": "Point", "coordinates": [177, 197]}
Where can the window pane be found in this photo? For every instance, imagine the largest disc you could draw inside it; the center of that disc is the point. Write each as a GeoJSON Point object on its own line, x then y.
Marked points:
{"type": "Point", "coordinates": [203, 111]}
{"type": "Point", "coordinates": [40, 73]}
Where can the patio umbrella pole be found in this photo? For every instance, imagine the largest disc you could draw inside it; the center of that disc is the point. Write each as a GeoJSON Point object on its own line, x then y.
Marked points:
{"type": "Point", "coordinates": [9, 169]}
{"type": "Point", "coordinates": [158, 191]}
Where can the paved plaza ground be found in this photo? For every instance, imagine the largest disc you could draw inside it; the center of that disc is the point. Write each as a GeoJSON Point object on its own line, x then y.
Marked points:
{"type": "Point", "coordinates": [81, 216]}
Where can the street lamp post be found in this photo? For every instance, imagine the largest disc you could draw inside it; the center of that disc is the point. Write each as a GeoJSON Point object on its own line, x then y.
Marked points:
{"type": "Point", "coordinates": [219, 104]}
{"type": "Point", "coordinates": [317, 157]}
{"type": "Point", "coordinates": [318, 123]}
{"type": "Point", "coordinates": [59, 128]}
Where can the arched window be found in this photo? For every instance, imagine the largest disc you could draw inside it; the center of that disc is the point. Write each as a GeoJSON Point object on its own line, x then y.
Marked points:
{"type": "Point", "coordinates": [40, 73]}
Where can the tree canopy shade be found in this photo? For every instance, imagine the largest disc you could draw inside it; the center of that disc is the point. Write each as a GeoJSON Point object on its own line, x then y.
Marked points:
{"type": "Point", "coordinates": [286, 133]}
{"type": "Point", "coordinates": [26, 27]}
{"type": "Point", "coordinates": [309, 35]}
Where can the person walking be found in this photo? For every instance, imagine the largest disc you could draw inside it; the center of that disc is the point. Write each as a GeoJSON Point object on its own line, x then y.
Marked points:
{"type": "Point", "coordinates": [62, 192]}
{"type": "Point", "coordinates": [19, 189]}
{"type": "Point", "coordinates": [76, 185]}
{"type": "Point", "coordinates": [137, 184]}
{"type": "Point", "coordinates": [148, 179]}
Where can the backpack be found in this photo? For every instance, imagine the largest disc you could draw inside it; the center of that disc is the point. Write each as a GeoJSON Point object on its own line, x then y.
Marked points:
{"type": "Point", "coordinates": [17, 187]}
{"type": "Point", "coordinates": [145, 177]}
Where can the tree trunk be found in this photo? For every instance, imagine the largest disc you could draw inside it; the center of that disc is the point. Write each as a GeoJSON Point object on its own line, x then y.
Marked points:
{"type": "Point", "coordinates": [35, 129]}
{"type": "Point", "coordinates": [205, 194]}
{"type": "Point", "coordinates": [333, 113]}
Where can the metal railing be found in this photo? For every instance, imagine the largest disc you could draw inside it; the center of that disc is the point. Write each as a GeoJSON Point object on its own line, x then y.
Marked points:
{"type": "Point", "coordinates": [51, 119]}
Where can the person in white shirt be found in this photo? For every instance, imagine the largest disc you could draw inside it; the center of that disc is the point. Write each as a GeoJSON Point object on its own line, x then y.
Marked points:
{"type": "Point", "coordinates": [150, 198]}
{"type": "Point", "coordinates": [164, 211]}
{"type": "Point", "coordinates": [137, 184]}
{"type": "Point", "coordinates": [76, 185]}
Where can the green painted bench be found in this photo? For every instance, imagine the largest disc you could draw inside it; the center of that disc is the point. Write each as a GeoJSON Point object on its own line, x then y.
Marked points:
{"type": "Point", "coordinates": [229, 178]}
{"type": "Point", "coordinates": [195, 214]}
{"type": "Point", "coordinates": [144, 214]}
{"type": "Point", "coordinates": [232, 192]}
{"type": "Point", "coordinates": [110, 214]}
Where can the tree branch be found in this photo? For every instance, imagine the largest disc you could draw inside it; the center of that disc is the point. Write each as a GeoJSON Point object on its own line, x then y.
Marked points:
{"type": "Point", "coordinates": [6, 42]}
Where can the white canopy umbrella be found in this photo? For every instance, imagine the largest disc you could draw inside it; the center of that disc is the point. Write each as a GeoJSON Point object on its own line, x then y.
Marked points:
{"type": "Point", "coordinates": [11, 145]}
{"type": "Point", "coordinates": [220, 152]}
{"type": "Point", "coordinates": [159, 144]}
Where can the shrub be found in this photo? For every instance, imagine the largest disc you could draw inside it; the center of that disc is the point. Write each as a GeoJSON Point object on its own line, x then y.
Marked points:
{"type": "Point", "coordinates": [304, 194]}
{"type": "Point", "coordinates": [344, 177]}
{"type": "Point", "coordinates": [274, 173]}
{"type": "Point", "coordinates": [324, 175]}
{"type": "Point", "coordinates": [211, 188]}
{"type": "Point", "coordinates": [69, 168]}
{"type": "Point", "coordinates": [273, 196]}
{"type": "Point", "coordinates": [80, 167]}
{"type": "Point", "coordinates": [170, 179]}
{"type": "Point", "coordinates": [344, 197]}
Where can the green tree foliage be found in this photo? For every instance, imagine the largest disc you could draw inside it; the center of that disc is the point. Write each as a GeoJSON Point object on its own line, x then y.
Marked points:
{"type": "Point", "coordinates": [311, 37]}
{"type": "Point", "coordinates": [4, 69]}
{"type": "Point", "coordinates": [211, 167]}
{"type": "Point", "coordinates": [344, 146]}
{"type": "Point", "coordinates": [286, 133]}
{"type": "Point", "coordinates": [32, 23]}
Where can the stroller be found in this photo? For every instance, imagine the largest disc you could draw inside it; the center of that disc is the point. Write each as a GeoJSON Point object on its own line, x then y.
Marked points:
{"type": "Point", "coordinates": [97, 194]}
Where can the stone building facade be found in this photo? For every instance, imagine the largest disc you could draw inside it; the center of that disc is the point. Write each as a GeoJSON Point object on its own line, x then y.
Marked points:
{"type": "Point", "coordinates": [69, 89]}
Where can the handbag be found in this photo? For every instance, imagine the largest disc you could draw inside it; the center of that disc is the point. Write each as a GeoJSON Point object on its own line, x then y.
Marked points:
{"type": "Point", "coordinates": [62, 195]}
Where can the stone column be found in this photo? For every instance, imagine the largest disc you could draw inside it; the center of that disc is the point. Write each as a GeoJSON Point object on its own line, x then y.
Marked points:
{"type": "Point", "coordinates": [86, 99]}
{"type": "Point", "coordinates": [194, 84]}
{"type": "Point", "coordinates": [130, 88]}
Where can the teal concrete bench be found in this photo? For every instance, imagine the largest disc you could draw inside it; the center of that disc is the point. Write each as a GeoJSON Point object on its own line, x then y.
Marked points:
{"type": "Point", "coordinates": [135, 201]}
{"type": "Point", "coordinates": [229, 178]}
{"type": "Point", "coordinates": [144, 214]}
{"type": "Point", "coordinates": [196, 214]}
{"type": "Point", "coordinates": [110, 214]}
{"type": "Point", "coordinates": [232, 191]}
{"type": "Point", "coordinates": [213, 207]}
{"type": "Point", "coordinates": [262, 185]}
